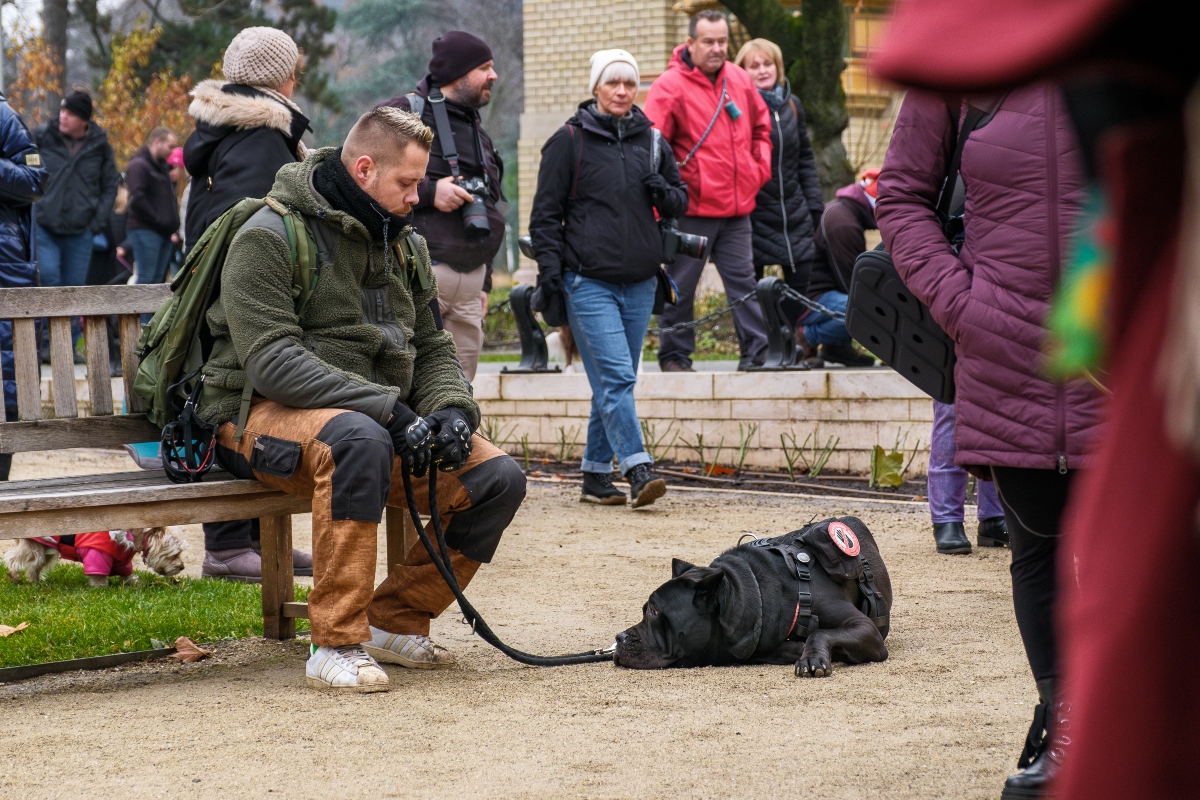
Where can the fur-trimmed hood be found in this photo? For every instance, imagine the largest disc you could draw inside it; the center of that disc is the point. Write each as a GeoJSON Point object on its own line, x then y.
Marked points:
{"type": "Point", "coordinates": [241, 107]}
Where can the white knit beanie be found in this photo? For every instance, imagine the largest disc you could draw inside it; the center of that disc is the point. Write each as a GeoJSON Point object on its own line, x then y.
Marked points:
{"type": "Point", "coordinates": [601, 60]}
{"type": "Point", "coordinates": [261, 57]}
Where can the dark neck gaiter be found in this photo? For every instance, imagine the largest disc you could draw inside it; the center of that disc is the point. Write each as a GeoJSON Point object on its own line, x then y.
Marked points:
{"type": "Point", "coordinates": [335, 184]}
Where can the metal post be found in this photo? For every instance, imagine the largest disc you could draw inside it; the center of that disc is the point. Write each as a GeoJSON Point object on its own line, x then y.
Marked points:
{"type": "Point", "coordinates": [781, 342]}
{"type": "Point", "coordinates": [534, 357]}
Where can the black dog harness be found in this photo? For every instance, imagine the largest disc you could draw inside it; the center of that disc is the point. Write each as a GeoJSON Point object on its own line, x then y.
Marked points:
{"type": "Point", "coordinates": [840, 557]}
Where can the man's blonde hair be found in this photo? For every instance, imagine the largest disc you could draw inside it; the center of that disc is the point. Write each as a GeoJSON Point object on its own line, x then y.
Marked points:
{"type": "Point", "coordinates": [383, 134]}
{"type": "Point", "coordinates": [768, 49]}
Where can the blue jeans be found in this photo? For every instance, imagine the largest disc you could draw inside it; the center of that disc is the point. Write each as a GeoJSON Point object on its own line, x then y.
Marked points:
{"type": "Point", "coordinates": [63, 260]}
{"type": "Point", "coordinates": [820, 328]}
{"type": "Point", "coordinates": [948, 481]}
{"type": "Point", "coordinates": [609, 323]}
{"type": "Point", "coordinates": [151, 254]}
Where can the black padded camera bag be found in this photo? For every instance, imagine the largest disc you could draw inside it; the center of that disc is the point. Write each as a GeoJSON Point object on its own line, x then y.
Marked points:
{"type": "Point", "coordinates": [886, 318]}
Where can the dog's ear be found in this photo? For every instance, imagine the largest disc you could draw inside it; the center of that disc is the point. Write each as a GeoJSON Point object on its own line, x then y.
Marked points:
{"type": "Point", "coordinates": [740, 609]}
{"type": "Point", "coordinates": [679, 566]}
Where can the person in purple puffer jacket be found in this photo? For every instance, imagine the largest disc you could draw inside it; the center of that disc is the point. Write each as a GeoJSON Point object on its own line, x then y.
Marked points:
{"type": "Point", "coordinates": [1024, 180]}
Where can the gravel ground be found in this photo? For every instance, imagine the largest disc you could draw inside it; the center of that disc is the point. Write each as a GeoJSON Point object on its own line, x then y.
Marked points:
{"type": "Point", "coordinates": [943, 717]}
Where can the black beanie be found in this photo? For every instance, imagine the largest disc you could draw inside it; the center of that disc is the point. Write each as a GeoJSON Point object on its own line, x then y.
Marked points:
{"type": "Point", "coordinates": [79, 104]}
{"type": "Point", "coordinates": [456, 54]}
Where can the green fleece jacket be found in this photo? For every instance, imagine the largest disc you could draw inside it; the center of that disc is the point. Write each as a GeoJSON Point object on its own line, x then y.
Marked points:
{"type": "Point", "coordinates": [366, 337]}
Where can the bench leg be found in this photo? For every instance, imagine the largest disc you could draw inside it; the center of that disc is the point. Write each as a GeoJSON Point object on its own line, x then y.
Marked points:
{"type": "Point", "coordinates": [278, 581]}
{"type": "Point", "coordinates": [396, 525]}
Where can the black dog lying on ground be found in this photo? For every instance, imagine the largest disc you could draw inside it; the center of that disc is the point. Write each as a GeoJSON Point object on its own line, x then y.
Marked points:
{"type": "Point", "coordinates": [818, 594]}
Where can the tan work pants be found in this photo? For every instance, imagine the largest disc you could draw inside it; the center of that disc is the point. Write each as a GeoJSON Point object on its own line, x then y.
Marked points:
{"type": "Point", "coordinates": [462, 312]}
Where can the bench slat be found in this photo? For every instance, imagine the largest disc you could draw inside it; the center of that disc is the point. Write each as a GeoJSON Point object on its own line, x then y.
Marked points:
{"type": "Point", "coordinates": [62, 368]}
{"type": "Point", "coordinates": [95, 334]}
{"type": "Point", "coordinates": [28, 370]}
{"type": "Point", "coordinates": [81, 301]}
{"type": "Point", "coordinates": [25, 496]}
{"type": "Point", "coordinates": [131, 329]}
{"type": "Point", "coordinates": [295, 610]}
{"type": "Point", "coordinates": [65, 521]}
{"type": "Point", "coordinates": [67, 434]}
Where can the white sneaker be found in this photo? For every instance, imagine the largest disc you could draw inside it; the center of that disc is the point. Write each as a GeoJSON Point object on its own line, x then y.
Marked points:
{"type": "Point", "coordinates": [407, 650]}
{"type": "Point", "coordinates": [346, 669]}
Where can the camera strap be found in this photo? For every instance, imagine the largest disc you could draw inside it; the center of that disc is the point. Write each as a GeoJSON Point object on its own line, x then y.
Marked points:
{"type": "Point", "coordinates": [711, 122]}
{"type": "Point", "coordinates": [441, 119]}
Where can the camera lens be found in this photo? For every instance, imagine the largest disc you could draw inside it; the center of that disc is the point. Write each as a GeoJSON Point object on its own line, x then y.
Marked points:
{"type": "Point", "coordinates": [475, 218]}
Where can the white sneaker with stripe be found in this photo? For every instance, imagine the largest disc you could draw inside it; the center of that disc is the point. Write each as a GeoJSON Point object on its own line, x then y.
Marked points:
{"type": "Point", "coordinates": [345, 669]}
{"type": "Point", "coordinates": [407, 650]}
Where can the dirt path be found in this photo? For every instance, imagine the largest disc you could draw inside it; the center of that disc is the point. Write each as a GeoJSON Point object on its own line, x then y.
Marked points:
{"type": "Point", "coordinates": [943, 717]}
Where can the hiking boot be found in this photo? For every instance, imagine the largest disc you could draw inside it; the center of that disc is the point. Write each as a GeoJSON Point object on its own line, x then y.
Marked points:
{"type": "Point", "coordinates": [241, 565]}
{"type": "Point", "coordinates": [301, 561]}
{"type": "Point", "coordinates": [671, 365]}
{"type": "Point", "coordinates": [992, 532]}
{"type": "Point", "coordinates": [1042, 757]}
{"type": "Point", "coordinates": [346, 668]}
{"type": "Point", "coordinates": [598, 488]}
{"type": "Point", "coordinates": [951, 538]}
{"type": "Point", "coordinates": [845, 355]}
{"type": "Point", "coordinates": [644, 486]}
{"type": "Point", "coordinates": [408, 650]}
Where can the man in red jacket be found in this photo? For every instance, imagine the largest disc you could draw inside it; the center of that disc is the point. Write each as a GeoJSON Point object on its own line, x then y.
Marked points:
{"type": "Point", "coordinates": [720, 130]}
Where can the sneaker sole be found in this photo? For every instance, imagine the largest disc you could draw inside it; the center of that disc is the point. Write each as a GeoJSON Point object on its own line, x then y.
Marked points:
{"type": "Point", "coordinates": [615, 500]}
{"type": "Point", "coordinates": [388, 657]}
{"type": "Point", "coordinates": [320, 685]}
{"type": "Point", "coordinates": [650, 492]}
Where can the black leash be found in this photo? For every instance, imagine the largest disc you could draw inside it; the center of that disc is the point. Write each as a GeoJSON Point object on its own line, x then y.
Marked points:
{"type": "Point", "coordinates": [472, 617]}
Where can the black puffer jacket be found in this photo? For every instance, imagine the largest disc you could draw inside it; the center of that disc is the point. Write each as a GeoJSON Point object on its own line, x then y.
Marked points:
{"type": "Point", "coordinates": [242, 138]}
{"type": "Point", "coordinates": [81, 188]}
{"type": "Point", "coordinates": [591, 213]}
{"type": "Point", "coordinates": [783, 216]}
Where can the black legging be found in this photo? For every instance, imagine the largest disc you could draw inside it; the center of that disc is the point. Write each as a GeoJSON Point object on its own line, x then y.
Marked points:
{"type": "Point", "coordinates": [1033, 502]}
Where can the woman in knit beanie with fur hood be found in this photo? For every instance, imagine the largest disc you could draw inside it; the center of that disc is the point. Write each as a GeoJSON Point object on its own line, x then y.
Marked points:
{"type": "Point", "coordinates": [247, 127]}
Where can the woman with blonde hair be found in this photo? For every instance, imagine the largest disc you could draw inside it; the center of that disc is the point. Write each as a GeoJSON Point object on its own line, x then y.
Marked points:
{"type": "Point", "coordinates": [789, 206]}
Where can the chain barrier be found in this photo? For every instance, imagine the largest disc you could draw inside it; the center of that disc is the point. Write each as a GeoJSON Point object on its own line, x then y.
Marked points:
{"type": "Point", "coordinates": [810, 304]}
{"type": "Point", "coordinates": [679, 327]}
{"type": "Point", "coordinates": [499, 308]}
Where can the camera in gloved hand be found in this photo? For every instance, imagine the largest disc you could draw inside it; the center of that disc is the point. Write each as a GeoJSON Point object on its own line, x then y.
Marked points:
{"type": "Point", "coordinates": [675, 242]}
{"type": "Point", "coordinates": [475, 215]}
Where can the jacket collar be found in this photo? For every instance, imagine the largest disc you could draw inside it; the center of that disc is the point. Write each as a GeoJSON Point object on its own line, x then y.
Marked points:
{"type": "Point", "coordinates": [590, 119]}
{"type": "Point", "coordinates": [242, 107]}
{"type": "Point", "coordinates": [681, 60]}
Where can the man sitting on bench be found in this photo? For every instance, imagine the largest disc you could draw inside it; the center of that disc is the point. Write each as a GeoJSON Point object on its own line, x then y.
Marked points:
{"type": "Point", "coordinates": [337, 389]}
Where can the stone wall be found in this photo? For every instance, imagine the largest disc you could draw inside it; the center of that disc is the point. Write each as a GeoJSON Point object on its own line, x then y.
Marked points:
{"type": "Point", "coordinates": [861, 408]}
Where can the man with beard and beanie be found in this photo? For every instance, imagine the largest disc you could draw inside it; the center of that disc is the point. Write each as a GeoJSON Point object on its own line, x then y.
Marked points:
{"type": "Point", "coordinates": [462, 70]}
{"type": "Point", "coordinates": [247, 128]}
{"type": "Point", "coordinates": [352, 392]}
{"type": "Point", "coordinates": [719, 128]}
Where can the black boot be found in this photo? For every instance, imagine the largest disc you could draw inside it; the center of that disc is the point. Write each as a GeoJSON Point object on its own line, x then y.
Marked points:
{"type": "Point", "coordinates": [951, 538]}
{"type": "Point", "coordinates": [644, 486]}
{"type": "Point", "coordinates": [598, 488]}
{"type": "Point", "coordinates": [992, 532]}
{"type": "Point", "coordinates": [844, 354]}
{"type": "Point", "coordinates": [1042, 757]}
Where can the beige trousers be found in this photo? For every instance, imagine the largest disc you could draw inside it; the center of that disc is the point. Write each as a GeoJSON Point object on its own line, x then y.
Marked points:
{"type": "Point", "coordinates": [462, 312]}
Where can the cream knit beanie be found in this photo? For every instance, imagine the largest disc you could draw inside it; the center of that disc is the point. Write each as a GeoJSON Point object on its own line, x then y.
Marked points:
{"type": "Point", "coordinates": [602, 59]}
{"type": "Point", "coordinates": [261, 57]}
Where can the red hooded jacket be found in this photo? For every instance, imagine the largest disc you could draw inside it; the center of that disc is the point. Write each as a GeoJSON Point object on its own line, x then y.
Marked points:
{"type": "Point", "coordinates": [725, 174]}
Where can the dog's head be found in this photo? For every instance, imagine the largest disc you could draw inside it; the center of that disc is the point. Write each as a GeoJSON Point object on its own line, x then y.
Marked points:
{"type": "Point", "coordinates": [162, 549]}
{"type": "Point", "coordinates": [703, 615]}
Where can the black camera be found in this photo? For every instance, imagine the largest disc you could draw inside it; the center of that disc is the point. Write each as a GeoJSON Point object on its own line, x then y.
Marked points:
{"type": "Point", "coordinates": [475, 215]}
{"type": "Point", "coordinates": [676, 243]}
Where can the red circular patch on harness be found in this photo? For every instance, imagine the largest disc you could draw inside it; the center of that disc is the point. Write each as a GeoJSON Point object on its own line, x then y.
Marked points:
{"type": "Point", "coordinates": [844, 538]}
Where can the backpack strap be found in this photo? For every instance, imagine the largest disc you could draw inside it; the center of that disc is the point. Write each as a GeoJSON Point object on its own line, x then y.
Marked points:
{"type": "Point", "coordinates": [416, 103]}
{"type": "Point", "coordinates": [578, 159]}
{"type": "Point", "coordinates": [409, 251]}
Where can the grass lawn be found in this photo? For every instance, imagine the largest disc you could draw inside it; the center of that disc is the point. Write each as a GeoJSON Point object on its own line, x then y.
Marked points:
{"type": "Point", "coordinates": [68, 619]}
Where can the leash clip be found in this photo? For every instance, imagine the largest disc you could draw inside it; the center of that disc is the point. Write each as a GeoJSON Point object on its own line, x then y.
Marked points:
{"type": "Point", "coordinates": [606, 651]}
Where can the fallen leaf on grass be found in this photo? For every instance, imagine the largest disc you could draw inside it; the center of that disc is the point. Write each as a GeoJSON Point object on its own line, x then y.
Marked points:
{"type": "Point", "coordinates": [8, 630]}
{"type": "Point", "coordinates": [187, 652]}
{"type": "Point", "coordinates": [718, 469]}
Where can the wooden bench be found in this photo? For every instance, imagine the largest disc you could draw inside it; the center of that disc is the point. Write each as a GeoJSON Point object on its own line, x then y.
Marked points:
{"type": "Point", "coordinates": [60, 506]}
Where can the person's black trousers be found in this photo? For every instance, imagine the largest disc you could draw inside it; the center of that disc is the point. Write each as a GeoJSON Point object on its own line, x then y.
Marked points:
{"type": "Point", "coordinates": [232, 535]}
{"type": "Point", "coordinates": [1033, 502]}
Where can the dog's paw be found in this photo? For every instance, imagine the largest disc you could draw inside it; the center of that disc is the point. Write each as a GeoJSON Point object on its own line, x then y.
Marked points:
{"type": "Point", "coordinates": [813, 667]}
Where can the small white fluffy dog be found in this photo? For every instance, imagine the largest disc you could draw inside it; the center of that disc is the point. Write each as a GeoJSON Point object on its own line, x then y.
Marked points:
{"type": "Point", "coordinates": [161, 549]}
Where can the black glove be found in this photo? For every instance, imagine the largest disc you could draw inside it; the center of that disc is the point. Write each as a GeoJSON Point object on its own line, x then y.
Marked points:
{"type": "Point", "coordinates": [549, 296]}
{"type": "Point", "coordinates": [412, 439]}
{"type": "Point", "coordinates": [452, 438]}
{"type": "Point", "coordinates": [658, 187]}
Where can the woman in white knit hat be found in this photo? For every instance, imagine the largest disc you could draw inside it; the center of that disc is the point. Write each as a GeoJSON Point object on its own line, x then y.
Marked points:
{"type": "Point", "coordinates": [598, 249]}
{"type": "Point", "coordinates": [247, 127]}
